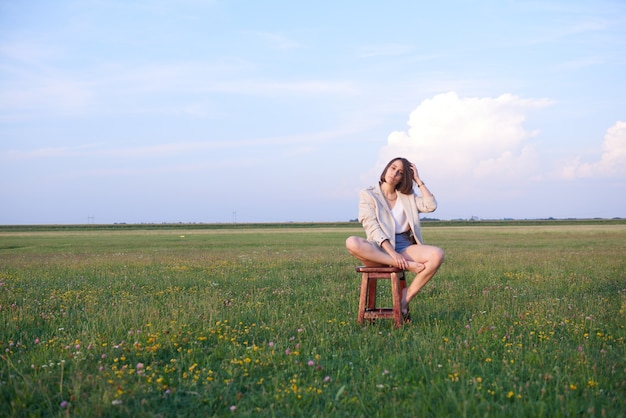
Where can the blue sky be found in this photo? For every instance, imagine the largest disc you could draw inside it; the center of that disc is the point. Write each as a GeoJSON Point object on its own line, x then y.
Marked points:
{"type": "Point", "coordinates": [222, 111]}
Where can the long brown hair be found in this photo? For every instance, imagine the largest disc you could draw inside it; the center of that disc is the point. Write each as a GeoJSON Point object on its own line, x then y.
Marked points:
{"type": "Point", "coordinates": [405, 185]}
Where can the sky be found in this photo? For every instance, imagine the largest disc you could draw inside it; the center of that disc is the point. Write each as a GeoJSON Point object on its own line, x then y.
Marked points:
{"type": "Point", "coordinates": [224, 111]}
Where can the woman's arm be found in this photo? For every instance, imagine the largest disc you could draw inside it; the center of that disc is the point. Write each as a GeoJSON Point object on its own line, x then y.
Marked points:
{"type": "Point", "coordinates": [369, 219]}
{"type": "Point", "coordinates": [427, 202]}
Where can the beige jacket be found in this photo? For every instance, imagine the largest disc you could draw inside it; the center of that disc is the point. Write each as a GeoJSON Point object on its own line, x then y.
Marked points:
{"type": "Point", "coordinates": [376, 218]}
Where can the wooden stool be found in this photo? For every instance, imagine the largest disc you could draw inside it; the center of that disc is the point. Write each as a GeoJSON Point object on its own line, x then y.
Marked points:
{"type": "Point", "coordinates": [367, 302]}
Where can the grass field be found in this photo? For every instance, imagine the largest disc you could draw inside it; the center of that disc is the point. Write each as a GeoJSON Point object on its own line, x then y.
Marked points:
{"type": "Point", "coordinates": [522, 320]}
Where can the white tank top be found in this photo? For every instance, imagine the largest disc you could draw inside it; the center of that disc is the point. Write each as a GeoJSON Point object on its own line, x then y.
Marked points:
{"type": "Point", "coordinates": [399, 216]}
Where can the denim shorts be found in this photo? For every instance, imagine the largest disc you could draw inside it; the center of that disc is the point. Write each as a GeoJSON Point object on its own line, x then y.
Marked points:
{"type": "Point", "coordinates": [403, 241]}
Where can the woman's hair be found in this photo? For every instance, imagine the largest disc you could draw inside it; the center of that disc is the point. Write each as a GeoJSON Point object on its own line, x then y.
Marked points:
{"type": "Point", "coordinates": [405, 185]}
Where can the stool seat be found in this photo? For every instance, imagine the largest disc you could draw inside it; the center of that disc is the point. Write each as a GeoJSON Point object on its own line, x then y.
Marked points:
{"type": "Point", "coordinates": [367, 300]}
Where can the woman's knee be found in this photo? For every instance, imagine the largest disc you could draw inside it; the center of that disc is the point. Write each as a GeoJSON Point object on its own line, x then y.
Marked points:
{"type": "Point", "coordinates": [352, 243]}
{"type": "Point", "coordinates": [439, 255]}
{"type": "Point", "coordinates": [436, 255]}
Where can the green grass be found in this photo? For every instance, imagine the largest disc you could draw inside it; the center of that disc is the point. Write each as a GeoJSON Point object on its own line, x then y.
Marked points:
{"type": "Point", "coordinates": [522, 320]}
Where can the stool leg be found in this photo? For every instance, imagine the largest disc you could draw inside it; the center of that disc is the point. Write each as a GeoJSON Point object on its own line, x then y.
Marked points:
{"type": "Point", "coordinates": [402, 285]}
{"type": "Point", "coordinates": [371, 293]}
{"type": "Point", "coordinates": [397, 297]}
{"type": "Point", "coordinates": [363, 297]}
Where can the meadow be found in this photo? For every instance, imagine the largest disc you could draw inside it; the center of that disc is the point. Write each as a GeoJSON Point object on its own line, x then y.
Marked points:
{"type": "Point", "coordinates": [522, 320]}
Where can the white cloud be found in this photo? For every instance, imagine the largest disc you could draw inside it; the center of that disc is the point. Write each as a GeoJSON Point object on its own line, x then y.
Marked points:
{"type": "Point", "coordinates": [467, 140]}
{"type": "Point", "coordinates": [611, 163]}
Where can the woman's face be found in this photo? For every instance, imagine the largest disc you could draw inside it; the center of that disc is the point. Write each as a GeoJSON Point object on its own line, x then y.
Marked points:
{"type": "Point", "coordinates": [394, 173]}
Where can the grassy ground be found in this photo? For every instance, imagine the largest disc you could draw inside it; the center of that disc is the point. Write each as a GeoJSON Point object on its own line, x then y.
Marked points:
{"type": "Point", "coordinates": [522, 320]}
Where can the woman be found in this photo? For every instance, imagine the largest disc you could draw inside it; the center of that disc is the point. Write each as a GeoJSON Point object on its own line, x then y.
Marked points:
{"type": "Point", "coordinates": [389, 214]}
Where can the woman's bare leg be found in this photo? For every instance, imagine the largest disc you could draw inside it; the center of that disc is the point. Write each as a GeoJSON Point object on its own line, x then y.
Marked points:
{"type": "Point", "coordinates": [431, 257]}
{"type": "Point", "coordinates": [371, 255]}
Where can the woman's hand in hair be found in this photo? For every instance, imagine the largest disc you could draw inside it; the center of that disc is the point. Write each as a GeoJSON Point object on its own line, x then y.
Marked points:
{"type": "Point", "coordinates": [416, 176]}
